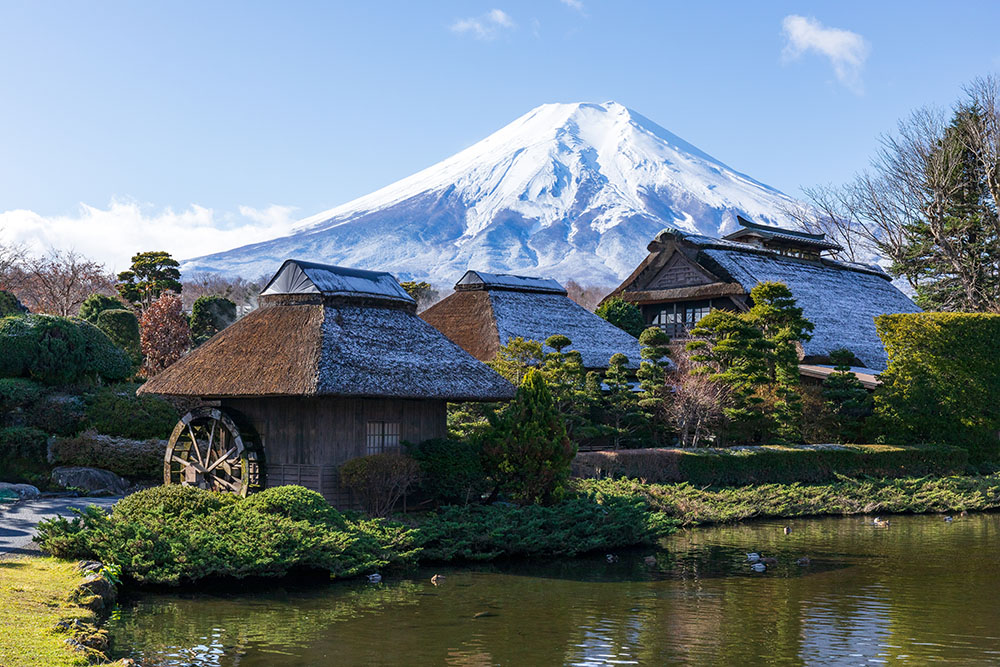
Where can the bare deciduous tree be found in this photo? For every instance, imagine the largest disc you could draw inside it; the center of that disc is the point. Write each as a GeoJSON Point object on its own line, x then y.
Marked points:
{"type": "Point", "coordinates": [697, 406]}
{"type": "Point", "coordinates": [588, 297]}
{"type": "Point", "coordinates": [239, 290]}
{"type": "Point", "coordinates": [60, 281]}
{"type": "Point", "coordinates": [12, 257]}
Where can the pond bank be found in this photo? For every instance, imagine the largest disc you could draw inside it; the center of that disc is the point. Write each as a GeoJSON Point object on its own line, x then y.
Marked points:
{"type": "Point", "coordinates": [692, 505]}
{"type": "Point", "coordinates": [53, 609]}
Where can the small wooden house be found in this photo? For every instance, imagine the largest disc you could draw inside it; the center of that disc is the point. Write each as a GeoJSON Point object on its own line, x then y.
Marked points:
{"type": "Point", "coordinates": [686, 275]}
{"type": "Point", "coordinates": [332, 365]}
{"type": "Point", "coordinates": [487, 310]}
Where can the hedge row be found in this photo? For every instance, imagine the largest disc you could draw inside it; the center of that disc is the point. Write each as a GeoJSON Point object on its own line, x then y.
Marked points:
{"type": "Point", "coordinates": [943, 381]}
{"type": "Point", "coordinates": [772, 464]}
{"type": "Point", "coordinates": [132, 459]}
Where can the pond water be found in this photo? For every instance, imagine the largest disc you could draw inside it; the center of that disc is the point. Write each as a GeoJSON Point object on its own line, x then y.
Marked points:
{"type": "Point", "coordinates": [920, 590]}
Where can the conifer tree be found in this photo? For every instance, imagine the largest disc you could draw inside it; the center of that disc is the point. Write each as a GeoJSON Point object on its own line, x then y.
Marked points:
{"type": "Point", "coordinates": [527, 452]}
{"type": "Point", "coordinates": [623, 415]}
{"type": "Point", "coordinates": [516, 358]}
{"type": "Point", "coordinates": [846, 398]}
{"type": "Point", "coordinates": [151, 274]}
{"type": "Point", "coordinates": [624, 315]}
{"type": "Point", "coordinates": [652, 376]}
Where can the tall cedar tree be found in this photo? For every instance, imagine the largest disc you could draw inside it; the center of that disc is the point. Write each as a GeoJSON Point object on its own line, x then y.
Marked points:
{"type": "Point", "coordinates": [165, 333]}
{"type": "Point", "coordinates": [652, 376]}
{"type": "Point", "coordinates": [623, 415]}
{"type": "Point", "coordinates": [152, 274]}
{"type": "Point", "coordinates": [846, 398]}
{"type": "Point", "coordinates": [780, 320]}
{"type": "Point", "coordinates": [624, 315]}
{"type": "Point", "coordinates": [728, 349]}
{"type": "Point", "coordinates": [527, 452]}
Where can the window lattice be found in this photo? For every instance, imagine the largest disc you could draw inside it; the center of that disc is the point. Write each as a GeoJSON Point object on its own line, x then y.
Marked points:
{"type": "Point", "coordinates": [382, 437]}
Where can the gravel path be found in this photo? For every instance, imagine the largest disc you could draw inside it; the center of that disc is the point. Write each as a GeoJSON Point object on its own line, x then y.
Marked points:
{"type": "Point", "coordinates": [18, 520]}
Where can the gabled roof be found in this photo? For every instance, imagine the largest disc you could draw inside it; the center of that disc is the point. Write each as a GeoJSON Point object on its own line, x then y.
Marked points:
{"type": "Point", "coordinates": [841, 299]}
{"type": "Point", "coordinates": [473, 280]}
{"type": "Point", "coordinates": [325, 345]}
{"type": "Point", "coordinates": [789, 236]}
{"type": "Point", "coordinates": [487, 315]}
{"type": "Point", "coordinates": [300, 277]}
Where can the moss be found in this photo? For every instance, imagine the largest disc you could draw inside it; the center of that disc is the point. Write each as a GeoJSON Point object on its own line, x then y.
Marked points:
{"type": "Point", "coordinates": [35, 598]}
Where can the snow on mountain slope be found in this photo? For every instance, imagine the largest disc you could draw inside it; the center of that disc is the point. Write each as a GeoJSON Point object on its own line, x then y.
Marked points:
{"type": "Point", "coordinates": [565, 191]}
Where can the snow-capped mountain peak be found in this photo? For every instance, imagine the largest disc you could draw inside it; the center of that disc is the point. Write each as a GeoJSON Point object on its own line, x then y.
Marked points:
{"type": "Point", "coordinates": [566, 190]}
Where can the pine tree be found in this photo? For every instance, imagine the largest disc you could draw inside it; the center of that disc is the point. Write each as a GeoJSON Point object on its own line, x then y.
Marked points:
{"type": "Point", "coordinates": [516, 358]}
{"type": "Point", "coordinates": [527, 452]}
{"type": "Point", "coordinates": [846, 398]}
{"type": "Point", "coordinates": [783, 326]}
{"type": "Point", "coordinates": [151, 274]}
{"type": "Point", "coordinates": [566, 378]}
{"type": "Point", "coordinates": [209, 316]}
{"type": "Point", "coordinates": [652, 376]}
{"type": "Point", "coordinates": [621, 405]}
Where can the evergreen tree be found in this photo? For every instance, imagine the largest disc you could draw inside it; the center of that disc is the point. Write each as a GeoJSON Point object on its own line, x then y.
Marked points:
{"type": "Point", "coordinates": [624, 315]}
{"type": "Point", "coordinates": [10, 305]}
{"type": "Point", "coordinates": [209, 316]}
{"type": "Point", "coordinates": [652, 376]}
{"type": "Point", "coordinates": [422, 292]}
{"type": "Point", "coordinates": [527, 452]}
{"type": "Point", "coordinates": [728, 349]}
{"type": "Point", "coordinates": [784, 328]}
{"type": "Point", "coordinates": [621, 405]}
{"type": "Point", "coordinates": [95, 304]}
{"type": "Point", "coordinates": [122, 327]}
{"type": "Point", "coordinates": [846, 398]}
{"type": "Point", "coordinates": [151, 274]}
{"type": "Point", "coordinates": [516, 358]}
{"type": "Point", "coordinates": [566, 378]}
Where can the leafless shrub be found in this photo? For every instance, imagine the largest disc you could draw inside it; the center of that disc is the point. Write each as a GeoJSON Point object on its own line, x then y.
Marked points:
{"type": "Point", "coordinates": [697, 405]}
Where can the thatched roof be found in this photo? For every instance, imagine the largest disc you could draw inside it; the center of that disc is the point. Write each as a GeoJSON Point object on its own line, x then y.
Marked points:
{"type": "Point", "coordinates": [331, 341]}
{"type": "Point", "coordinates": [486, 312]}
{"type": "Point", "coordinates": [841, 299]}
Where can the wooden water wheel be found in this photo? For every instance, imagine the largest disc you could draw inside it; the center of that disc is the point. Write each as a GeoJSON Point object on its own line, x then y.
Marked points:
{"type": "Point", "coordinates": [209, 451]}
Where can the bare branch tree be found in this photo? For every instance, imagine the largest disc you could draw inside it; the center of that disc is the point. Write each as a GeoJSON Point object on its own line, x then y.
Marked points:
{"type": "Point", "coordinates": [12, 257]}
{"type": "Point", "coordinates": [59, 282]}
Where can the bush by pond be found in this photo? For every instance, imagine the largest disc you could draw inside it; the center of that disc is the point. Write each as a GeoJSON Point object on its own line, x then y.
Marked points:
{"type": "Point", "coordinates": [176, 534]}
{"type": "Point", "coordinates": [691, 504]}
{"type": "Point", "coordinates": [783, 465]}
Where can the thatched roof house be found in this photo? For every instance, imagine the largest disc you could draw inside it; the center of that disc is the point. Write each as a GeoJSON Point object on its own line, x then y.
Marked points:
{"type": "Point", "coordinates": [686, 275]}
{"type": "Point", "coordinates": [487, 310]}
{"type": "Point", "coordinates": [333, 364]}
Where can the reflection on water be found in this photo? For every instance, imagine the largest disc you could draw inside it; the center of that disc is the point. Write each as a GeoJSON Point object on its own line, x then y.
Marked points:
{"type": "Point", "coordinates": [920, 590]}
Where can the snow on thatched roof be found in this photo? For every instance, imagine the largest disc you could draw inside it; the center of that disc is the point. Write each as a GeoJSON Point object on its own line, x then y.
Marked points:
{"type": "Point", "coordinates": [483, 280]}
{"type": "Point", "coordinates": [300, 277]}
{"type": "Point", "coordinates": [349, 338]}
{"type": "Point", "coordinates": [792, 236]}
{"type": "Point", "coordinates": [841, 300]}
{"type": "Point", "coordinates": [488, 314]}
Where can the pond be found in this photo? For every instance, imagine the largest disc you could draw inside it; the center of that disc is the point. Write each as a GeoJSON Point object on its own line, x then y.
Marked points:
{"type": "Point", "coordinates": [920, 590]}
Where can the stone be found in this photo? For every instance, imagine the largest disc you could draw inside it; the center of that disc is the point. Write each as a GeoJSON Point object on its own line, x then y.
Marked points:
{"type": "Point", "coordinates": [94, 481]}
{"type": "Point", "coordinates": [23, 491]}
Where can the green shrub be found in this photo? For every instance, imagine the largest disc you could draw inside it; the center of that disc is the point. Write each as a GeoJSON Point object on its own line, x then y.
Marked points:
{"type": "Point", "coordinates": [56, 413]}
{"type": "Point", "coordinates": [943, 380]}
{"type": "Point", "coordinates": [95, 304]}
{"type": "Point", "coordinates": [624, 315]}
{"type": "Point", "coordinates": [104, 358]}
{"type": "Point", "coordinates": [451, 471]}
{"type": "Point", "coordinates": [122, 327]}
{"type": "Point", "coordinates": [527, 452]}
{"type": "Point", "coordinates": [576, 526]}
{"type": "Point", "coordinates": [57, 350]}
{"type": "Point", "coordinates": [209, 316]}
{"type": "Point", "coordinates": [18, 393]}
{"type": "Point", "coordinates": [759, 465]}
{"type": "Point", "coordinates": [173, 534]}
{"type": "Point", "coordinates": [22, 442]}
{"type": "Point", "coordinates": [380, 480]}
{"type": "Point", "coordinates": [133, 459]}
{"type": "Point", "coordinates": [10, 306]}
{"type": "Point", "coordinates": [118, 411]}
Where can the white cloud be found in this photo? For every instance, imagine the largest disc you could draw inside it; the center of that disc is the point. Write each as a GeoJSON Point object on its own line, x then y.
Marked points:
{"type": "Point", "coordinates": [573, 4]}
{"type": "Point", "coordinates": [485, 27]}
{"type": "Point", "coordinates": [112, 235]}
{"type": "Point", "coordinates": [847, 51]}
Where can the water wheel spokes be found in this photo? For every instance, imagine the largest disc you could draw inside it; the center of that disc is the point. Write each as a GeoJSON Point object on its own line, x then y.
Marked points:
{"type": "Point", "coordinates": [207, 450]}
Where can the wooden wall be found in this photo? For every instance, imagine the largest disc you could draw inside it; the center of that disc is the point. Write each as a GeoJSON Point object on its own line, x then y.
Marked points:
{"type": "Point", "coordinates": [305, 440]}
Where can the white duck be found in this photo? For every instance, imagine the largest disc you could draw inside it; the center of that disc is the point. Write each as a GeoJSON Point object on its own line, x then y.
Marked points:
{"type": "Point", "coordinates": [753, 557]}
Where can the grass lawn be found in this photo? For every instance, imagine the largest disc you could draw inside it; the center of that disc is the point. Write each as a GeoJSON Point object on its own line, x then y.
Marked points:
{"type": "Point", "coordinates": [33, 598]}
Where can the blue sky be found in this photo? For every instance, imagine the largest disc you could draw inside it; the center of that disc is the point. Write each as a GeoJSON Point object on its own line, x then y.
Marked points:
{"type": "Point", "coordinates": [199, 124]}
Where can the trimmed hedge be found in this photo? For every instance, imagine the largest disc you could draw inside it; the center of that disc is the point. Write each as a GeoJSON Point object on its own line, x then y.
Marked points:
{"type": "Point", "coordinates": [943, 380]}
{"type": "Point", "coordinates": [18, 393]}
{"type": "Point", "coordinates": [22, 442]}
{"type": "Point", "coordinates": [451, 471]}
{"type": "Point", "coordinates": [58, 350]}
{"type": "Point", "coordinates": [134, 459]}
{"type": "Point", "coordinates": [770, 464]}
{"type": "Point", "coordinates": [119, 412]}
{"type": "Point", "coordinates": [122, 327]}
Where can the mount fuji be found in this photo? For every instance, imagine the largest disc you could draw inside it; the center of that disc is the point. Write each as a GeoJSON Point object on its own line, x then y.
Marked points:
{"type": "Point", "coordinates": [570, 191]}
